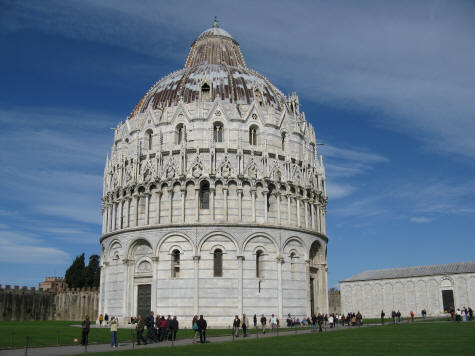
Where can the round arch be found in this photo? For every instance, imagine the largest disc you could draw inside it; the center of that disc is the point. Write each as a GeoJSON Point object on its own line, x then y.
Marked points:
{"type": "Point", "coordinates": [214, 233]}
{"type": "Point", "coordinates": [171, 234]}
{"type": "Point", "coordinates": [257, 234]}
{"type": "Point", "coordinates": [299, 240]}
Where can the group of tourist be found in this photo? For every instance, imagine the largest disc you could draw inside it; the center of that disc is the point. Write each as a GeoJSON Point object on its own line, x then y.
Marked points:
{"type": "Point", "coordinates": [159, 328]}
{"type": "Point", "coordinates": [463, 314]}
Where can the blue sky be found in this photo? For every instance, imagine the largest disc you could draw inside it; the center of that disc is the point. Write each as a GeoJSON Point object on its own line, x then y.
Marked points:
{"type": "Point", "coordinates": [389, 87]}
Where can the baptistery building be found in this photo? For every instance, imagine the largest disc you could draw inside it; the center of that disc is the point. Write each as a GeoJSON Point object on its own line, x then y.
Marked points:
{"type": "Point", "coordinates": [214, 197]}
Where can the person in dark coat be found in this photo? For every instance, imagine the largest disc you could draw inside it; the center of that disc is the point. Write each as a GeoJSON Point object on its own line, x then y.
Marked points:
{"type": "Point", "coordinates": [150, 322]}
{"type": "Point", "coordinates": [140, 328]}
{"type": "Point", "coordinates": [255, 321]}
{"type": "Point", "coordinates": [236, 325]}
{"type": "Point", "coordinates": [382, 316]}
{"type": "Point", "coordinates": [202, 325]}
{"type": "Point", "coordinates": [173, 328]}
{"type": "Point", "coordinates": [86, 326]}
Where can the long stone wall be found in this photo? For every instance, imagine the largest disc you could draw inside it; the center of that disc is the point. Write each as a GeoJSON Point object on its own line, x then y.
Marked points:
{"type": "Point", "coordinates": [407, 294]}
{"type": "Point", "coordinates": [31, 304]}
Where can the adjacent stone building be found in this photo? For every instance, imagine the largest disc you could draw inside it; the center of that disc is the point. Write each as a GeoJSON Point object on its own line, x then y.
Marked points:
{"type": "Point", "coordinates": [214, 197]}
{"type": "Point", "coordinates": [434, 288]}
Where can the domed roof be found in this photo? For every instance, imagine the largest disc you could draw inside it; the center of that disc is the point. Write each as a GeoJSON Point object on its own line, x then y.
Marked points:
{"type": "Point", "coordinates": [214, 31]}
{"type": "Point", "coordinates": [215, 64]}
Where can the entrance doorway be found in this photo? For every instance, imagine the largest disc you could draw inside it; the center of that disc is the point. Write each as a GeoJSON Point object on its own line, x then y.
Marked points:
{"type": "Point", "coordinates": [144, 297]}
{"type": "Point", "coordinates": [448, 299]}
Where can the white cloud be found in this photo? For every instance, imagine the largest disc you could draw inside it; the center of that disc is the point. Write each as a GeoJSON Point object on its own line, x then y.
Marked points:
{"type": "Point", "coordinates": [420, 219]}
{"type": "Point", "coordinates": [18, 247]}
{"type": "Point", "coordinates": [337, 191]}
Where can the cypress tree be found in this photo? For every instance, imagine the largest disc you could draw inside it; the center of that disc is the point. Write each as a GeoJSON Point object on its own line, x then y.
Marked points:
{"type": "Point", "coordinates": [75, 275]}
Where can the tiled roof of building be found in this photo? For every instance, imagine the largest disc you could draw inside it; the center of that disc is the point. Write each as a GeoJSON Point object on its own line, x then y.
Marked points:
{"type": "Point", "coordinates": [419, 271]}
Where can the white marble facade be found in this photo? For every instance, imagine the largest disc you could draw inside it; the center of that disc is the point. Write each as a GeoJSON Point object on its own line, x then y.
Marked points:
{"type": "Point", "coordinates": [215, 160]}
{"type": "Point", "coordinates": [409, 293]}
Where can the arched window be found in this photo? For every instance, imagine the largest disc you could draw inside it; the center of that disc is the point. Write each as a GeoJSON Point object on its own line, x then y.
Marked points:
{"type": "Point", "coordinates": [218, 132]}
{"type": "Point", "coordinates": [259, 255]}
{"type": "Point", "coordinates": [293, 260]}
{"type": "Point", "coordinates": [149, 136]}
{"type": "Point", "coordinates": [253, 135]}
{"type": "Point", "coordinates": [205, 92]}
{"type": "Point", "coordinates": [180, 134]}
{"type": "Point", "coordinates": [175, 264]}
{"type": "Point", "coordinates": [283, 137]}
{"type": "Point", "coordinates": [218, 263]}
{"type": "Point", "coordinates": [204, 195]}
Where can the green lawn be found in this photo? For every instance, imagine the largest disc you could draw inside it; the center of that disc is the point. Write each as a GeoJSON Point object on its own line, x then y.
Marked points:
{"type": "Point", "coordinates": [51, 333]}
{"type": "Point", "coordinates": [436, 338]}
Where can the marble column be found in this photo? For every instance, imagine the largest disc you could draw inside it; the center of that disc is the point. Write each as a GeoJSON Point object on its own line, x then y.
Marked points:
{"type": "Point", "coordinates": [240, 204]}
{"type": "Point", "coordinates": [147, 209]}
{"type": "Point", "coordinates": [280, 261]}
{"type": "Point", "coordinates": [307, 282]}
{"type": "Point", "coordinates": [121, 214]}
{"type": "Point", "coordinates": [288, 209]}
{"type": "Point", "coordinates": [159, 199]}
{"type": "Point", "coordinates": [197, 204]}
{"type": "Point", "coordinates": [154, 287]}
{"type": "Point", "coordinates": [277, 197]}
{"type": "Point", "coordinates": [297, 201]}
{"type": "Point", "coordinates": [306, 212]}
{"type": "Point", "coordinates": [183, 196]}
{"type": "Point", "coordinates": [196, 300]}
{"type": "Point", "coordinates": [170, 204]}
{"type": "Point", "coordinates": [136, 217]}
{"type": "Point", "coordinates": [253, 193]}
{"type": "Point", "coordinates": [240, 284]}
{"type": "Point", "coordinates": [211, 202]}
{"type": "Point", "coordinates": [129, 201]}
{"type": "Point", "coordinates": [114, 215]}
{"type": "Point", "coordinates": [225, 197]}
{"type": "Point", "coordinates": [312, 206]}
{"type": "Point", "coordinates": [266, 203]}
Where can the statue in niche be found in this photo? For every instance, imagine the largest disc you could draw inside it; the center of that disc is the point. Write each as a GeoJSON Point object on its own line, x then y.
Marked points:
{"type": "Point", "coordinates": [128, 174]}
{"type": "Point", "coordinates": [226, 170]}
{"type": "Point", "coordinates": [170, 172]}
{"type": "Point", "coordinates": [252, 171]}
{"type": "Point", "coordinates": [277, 175]}
{"type": "Point", "coordinates": [197, 170]}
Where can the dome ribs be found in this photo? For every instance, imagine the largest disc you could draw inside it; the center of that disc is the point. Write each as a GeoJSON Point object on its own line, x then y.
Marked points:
{"type": "Point", "coordinates": [216, 58]}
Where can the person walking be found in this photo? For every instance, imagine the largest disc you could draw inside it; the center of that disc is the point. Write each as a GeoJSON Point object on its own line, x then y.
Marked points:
{"type": "Point", "coordinates": [140, 328]}
{"type": "Point", "coordinates": [263, 323]}
{"type": "Point", "coordinates": [173, 328]}
{"type": "Point", "coordinates": [314, 323]}
{"type": "Point", "coordinates": [106, 319]}
{"type": "Point", "coordinates": [412, 316]}
{"type": "Point", "coordinates": [194, 325]}
{"type": "Point", "coordinates": [254, 319]}
{"type": "Point", "coordinates": [382, 317]}
{"type": "Point", "coordinates": [236, 325]}
{"type": "Point", "coordinates": [85, 326]}
{"type": "Point", "coordinates": [113, 324]}
{"type": "Point", "coordinates": [101, 319]}
{"type": "Point", "coordinates": [202, 325]}
{"type": "Point", "coordinates": [398, 314]}
{"type": "Point", "coordinates": [245, 323]}
{"type": "Point", "coordinates": [273, 323]}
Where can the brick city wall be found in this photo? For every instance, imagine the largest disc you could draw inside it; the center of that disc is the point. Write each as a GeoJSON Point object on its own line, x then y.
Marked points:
{"type": "Point", "coordinates": [31, 304]}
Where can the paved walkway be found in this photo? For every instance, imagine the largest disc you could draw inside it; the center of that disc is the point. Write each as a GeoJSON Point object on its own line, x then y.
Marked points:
{"type": "Point", "coordinates": [77, 349]}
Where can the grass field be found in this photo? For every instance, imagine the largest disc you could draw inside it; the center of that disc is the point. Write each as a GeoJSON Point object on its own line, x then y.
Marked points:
{"type": "Point", "coordinates": [435, 338]}
{"type": "Point", "coordinates": [52, 333]}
